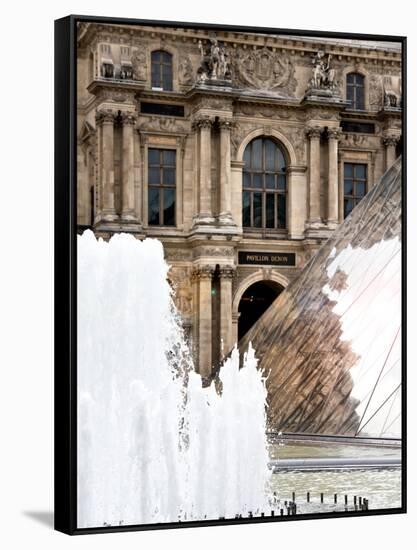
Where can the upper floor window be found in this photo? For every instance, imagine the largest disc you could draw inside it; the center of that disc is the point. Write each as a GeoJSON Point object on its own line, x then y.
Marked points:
{"type": "Point", "coordinates": [355, 185]}
{"type": "Point", "coordinates": [161, 186]}
{"type": "Point", "coordinates": [161, 70]}
{"type": "Point", "coordinates": [264, 200]}
{"type": "Point", "coordinates": [355, 90]}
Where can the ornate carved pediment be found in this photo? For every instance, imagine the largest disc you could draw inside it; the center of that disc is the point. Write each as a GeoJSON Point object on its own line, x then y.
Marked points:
{"type": "Point", "coordinates": [265, 69]}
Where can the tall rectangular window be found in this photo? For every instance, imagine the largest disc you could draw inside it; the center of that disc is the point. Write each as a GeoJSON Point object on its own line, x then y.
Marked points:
{"type": "Point", "coordinates": [161, 70]}
{"type": "Point", "coordinates": [161, 186]}
{"type": "Point", "coordinates": [355, 91]}
{"type": "Point", "coordinates": [355, 185]}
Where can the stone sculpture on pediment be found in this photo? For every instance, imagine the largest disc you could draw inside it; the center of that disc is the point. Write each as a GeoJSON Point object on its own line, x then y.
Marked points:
{"type": "Point", "coordinates": [214, 63]}
{"type": "Point", "coordinates": [323, 75]}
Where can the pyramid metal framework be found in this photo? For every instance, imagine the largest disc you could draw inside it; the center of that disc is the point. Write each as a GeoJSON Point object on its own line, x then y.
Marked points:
{"type": "Point", "coordinates": [330, 344]}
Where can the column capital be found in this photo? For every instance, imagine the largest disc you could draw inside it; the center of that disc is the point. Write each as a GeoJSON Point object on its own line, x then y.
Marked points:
{"type": "Point", "coordinates": [202, 123]}
{"type": "Point", "coordinates": [226, 124]}
{"type": "Point", "coordinates": [391, 140]}
{"type": "Point", "coordinates": [227, 271]}
{"type": "Point", "coordinates": [334, 133]}
{"type": "Point", "coordinates": [105, 117]}
{"type": "Point", "coordinates": [129, 119]}
{"type": "Point", "coordinates": [203, 272]}
{"type": "Point", "coordinates": [313, 132]}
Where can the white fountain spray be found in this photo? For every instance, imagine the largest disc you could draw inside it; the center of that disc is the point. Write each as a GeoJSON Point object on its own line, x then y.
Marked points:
{"type": "Point", "coordinates": [153, 445]}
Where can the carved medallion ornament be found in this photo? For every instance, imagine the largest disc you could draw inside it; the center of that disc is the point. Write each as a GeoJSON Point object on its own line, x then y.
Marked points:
{"type": "Point", "coordinates": [264, 69]}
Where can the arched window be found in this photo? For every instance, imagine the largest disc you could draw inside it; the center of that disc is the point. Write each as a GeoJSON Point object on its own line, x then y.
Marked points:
{"type": "Point", "coordinates": [264, 185]}
{"type": "Point", "coordinates": [161, 70]}
{"type": "Point", "coordinates": [355, 90]}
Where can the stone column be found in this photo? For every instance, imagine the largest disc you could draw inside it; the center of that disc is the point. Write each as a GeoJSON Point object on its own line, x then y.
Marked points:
{"type": "Point", "coordinates": [226, 326]}
{"type": "Point", "coordinates": [205, 215]}
{"type": "Point", "coordinates": [313, 134]}
{"type": "Point", "coordinates": [106, 120]}
{"type": "Point", "coordinates": [333, 135]}
{"type": "Point", "coordinates": [225, 215]}
{"type": "Point", "coordinates": [203, 276]}
{"type": "Point", "coordinates": [297, 201]}
{"type": "Point", "coordinates": [128, 173]}
{"type": "Point", "coordinates": [390, 143]}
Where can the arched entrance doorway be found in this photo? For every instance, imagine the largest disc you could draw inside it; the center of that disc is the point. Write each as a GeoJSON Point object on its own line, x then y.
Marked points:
{"type": "Point", "coordinates": [254, 302]}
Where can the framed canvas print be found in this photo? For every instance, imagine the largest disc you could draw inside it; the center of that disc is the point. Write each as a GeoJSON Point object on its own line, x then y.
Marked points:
{"type": "Point", "coordinates": [230, 276]}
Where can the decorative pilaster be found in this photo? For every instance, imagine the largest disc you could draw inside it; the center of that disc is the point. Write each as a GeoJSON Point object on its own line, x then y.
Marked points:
{"type": "Point", "coordinates": [205, 214]}
{"type": "Point", "coordinates": [128, 175]}
{"type": "Point", "coordinates": [313, 133]}
{"type": "Point", "coordinates": [225, 215]}
{"type": "Point", "coordinates": [333, 135]}
{"type": "Point", "coordinates": [105, 120]}
{"type": "Point", "coordinates": [202, 276]}
{"type": "Point", "coordinates": [390, 143]}
{"type": "Point", "coordinates": [226, 274]}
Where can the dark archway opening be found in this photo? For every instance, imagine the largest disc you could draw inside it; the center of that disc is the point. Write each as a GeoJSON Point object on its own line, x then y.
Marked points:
{"type": "Point", "coordinates": [254, 302]}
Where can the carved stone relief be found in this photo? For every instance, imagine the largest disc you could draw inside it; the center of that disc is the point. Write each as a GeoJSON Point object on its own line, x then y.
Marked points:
{"type": "Point", "coordinates": [183, 294]}
{"type": "Point", "coordinates": [139, 64]}
{"type": "Point", "coordinates": [264, 69]}
{"type": "Point", "coordinates": [185, 71]}
{"type": "Point", "coordinates": [375, 91]}
{"type": "Point", "coordinates": [163, 124]}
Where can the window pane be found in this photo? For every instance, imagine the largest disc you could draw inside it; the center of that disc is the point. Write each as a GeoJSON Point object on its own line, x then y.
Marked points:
{"type": "Point", "coordinates": [360, 189]}
{"type": "Point", "coordinates": [350, 94]}
{"type": "Point", "coordinates": [153, 206]}
{"type": "Point", "coordinates": [348, 187]}
{"type": "Point", "coordinates": [359, 79]}
{"type": "Point", "coordinates": [169, 158]}
{"type": "Point", "coordinates": [360, 99]}
{"type": "Point", "coordinates": [269, 210]}
{"type": "Point", "coordinates": [282, 182]}
{"type": "Point", "coordinates": [282, 211]}
{"type": "Point", "coordinates": [348, 170]}
{"type": "Point", "coordinates": [350, 78]}
{"type": "Point", "coordinates": [348, 207]}
{"type": "Point", "coordinates": [257, 180]}
{"type": "Point", "coordinates": [169, 176]}
{"type": "Point", "coordinates": [153, 156]}
{"type": "Point", "coordinates": [167, 81]}
{"type": "Point", "coordinates": [166, 57]}
{"type": "Point", "coordinates": [246, 156]}
{"type": "Point", "coordinates": [169, 206]}
{"type": "Point", "coordinates": [270, 155]}
{"type": "Point", "coordinates": [270, 181]}
{"type": "Point", "coordinates": [246, 209]}
{"type": "Point", "coordinates": [257, 154]}
{"type": "Point", "coordinates": [280, 160]}
{"type": "Point", "coordinates": [360, 171]}
{"type": "Point", "coordinates": [154, 176]}
{"type": "Point", "coordinates": [156, 56]}
{"type": "Point", "coordinates": [246, 180]}
{"type": "Point", "coordinates": [257, 209]}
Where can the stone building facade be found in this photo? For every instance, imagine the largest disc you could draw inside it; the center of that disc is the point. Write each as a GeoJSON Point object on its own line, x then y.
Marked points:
{"type": "Point", "coordinates": [241, 152]}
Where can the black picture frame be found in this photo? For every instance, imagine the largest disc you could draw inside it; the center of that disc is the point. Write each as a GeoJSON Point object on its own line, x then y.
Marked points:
{"type": "Point", "coordinates": [65, 385]}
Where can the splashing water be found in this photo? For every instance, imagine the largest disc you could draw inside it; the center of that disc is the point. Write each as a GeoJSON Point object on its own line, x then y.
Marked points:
{"type": "Point", "coordinates": [153, 445]}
